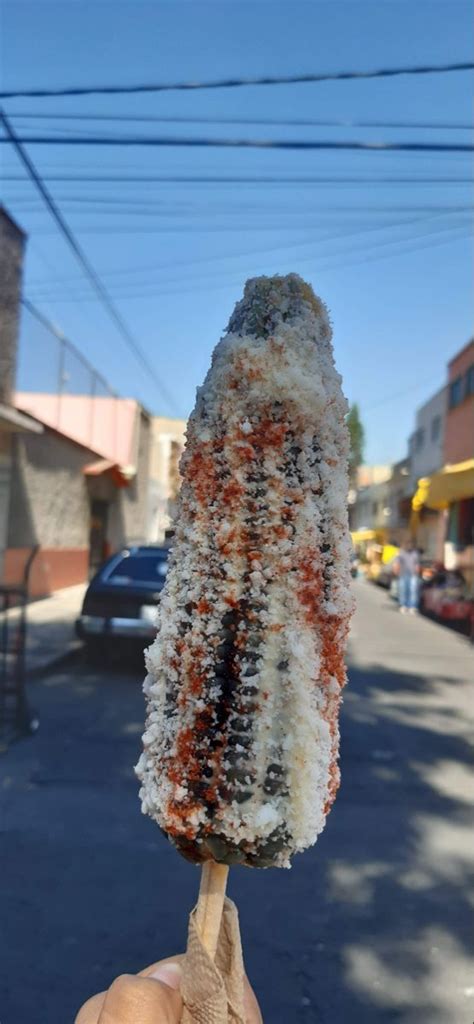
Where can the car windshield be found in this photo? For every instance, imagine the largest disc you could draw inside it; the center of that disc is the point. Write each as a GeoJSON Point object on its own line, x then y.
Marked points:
{"type": "Point", "coordinates": [149, 567]}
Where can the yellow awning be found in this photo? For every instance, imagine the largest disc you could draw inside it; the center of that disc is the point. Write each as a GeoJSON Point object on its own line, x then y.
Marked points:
{"type": "Point", "coordinates": [452, 483]}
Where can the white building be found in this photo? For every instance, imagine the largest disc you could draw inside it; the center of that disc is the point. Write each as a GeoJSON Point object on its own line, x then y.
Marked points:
{"type": "Point", "coordinates": [426, 443]}
{"type": "Point", "coordinates": [168, 437]}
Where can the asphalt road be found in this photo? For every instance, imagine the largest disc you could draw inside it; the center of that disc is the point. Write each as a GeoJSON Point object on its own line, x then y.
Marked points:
{"type": "Point", "coordinates": [372, 926]}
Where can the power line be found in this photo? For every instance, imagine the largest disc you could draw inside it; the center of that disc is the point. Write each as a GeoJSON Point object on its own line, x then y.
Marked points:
{"type": "Point", "coordinates": [295, 122]}
{"type": "Point", "coordinates": [232, 83]}
{"type": "Point", "coordinates": [87, 267]}
{"type": "Point", "coordinates": [300, 144]}
{"type": "Point", "coordinates": [230, 274]}
{"type": "Point", "coordinates": [400, 394]}
{"type": "Point", "coordinates": [460, 235]}
{"type": "Point", "coordinates": [141, 229]}
{"type": "Point", "coordinates": [160, 207]}
{"type": "Point", "coordinates": [215, 179]}
{"type": "Point", "coordinates": [180, 264]}
{"type": "Point", "coordinates": [219, 257]}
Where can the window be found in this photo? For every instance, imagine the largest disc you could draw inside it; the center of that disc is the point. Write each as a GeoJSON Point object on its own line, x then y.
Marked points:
{"type": "Point", "coordinates": [420, 439]}
{"type": "Point", "coordinates": [469, 382]}
{"type": "Point", "coordinates": [461, 523]}
{"type": "Point", "coordinates": [140, 567]}
{"type": "Point", "coordinates": [466, 521]}
{"type": "Point", "coordinates": [435, 428]}
{"type": "Point", "coordinates": [455, 392]}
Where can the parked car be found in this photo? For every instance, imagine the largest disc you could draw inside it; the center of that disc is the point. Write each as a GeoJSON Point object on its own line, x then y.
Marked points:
{"type": "Point", "coordinates": [120, 601]}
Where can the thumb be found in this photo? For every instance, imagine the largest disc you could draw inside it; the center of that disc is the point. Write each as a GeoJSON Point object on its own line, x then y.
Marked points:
{"type": "Point", "coordinates": [151, 1000]}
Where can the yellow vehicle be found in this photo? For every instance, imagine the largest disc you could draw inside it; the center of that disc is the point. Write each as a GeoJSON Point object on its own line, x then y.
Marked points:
{"type": "Point", "coordinates": [377, 554]}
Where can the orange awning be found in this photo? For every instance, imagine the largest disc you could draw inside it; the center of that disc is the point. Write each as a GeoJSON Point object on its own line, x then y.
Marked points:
{"type": "Point", "coordinates": [452, 483]}
{"type": "Point", "coordinates": [121, 475]}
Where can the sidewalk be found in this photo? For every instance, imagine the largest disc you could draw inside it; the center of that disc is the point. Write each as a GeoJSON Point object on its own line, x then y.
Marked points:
{"type": "Point", "coordinates": [50, 633]}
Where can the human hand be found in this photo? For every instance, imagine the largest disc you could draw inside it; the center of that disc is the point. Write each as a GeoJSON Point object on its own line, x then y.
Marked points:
{"type": "Point", "coordinates": [151, 997]}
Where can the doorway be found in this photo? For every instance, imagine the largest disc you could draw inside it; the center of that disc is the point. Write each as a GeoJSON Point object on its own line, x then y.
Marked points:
{"type": "Point", "coordinates": [98, 546]}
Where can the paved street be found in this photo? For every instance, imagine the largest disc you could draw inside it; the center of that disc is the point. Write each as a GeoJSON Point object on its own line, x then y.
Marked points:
{"type": "Point", "coordinates": [372, 926]}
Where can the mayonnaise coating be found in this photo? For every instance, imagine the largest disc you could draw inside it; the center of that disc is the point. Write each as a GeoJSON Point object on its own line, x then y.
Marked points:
{"type": "Point", "coordinates": [240, 758]}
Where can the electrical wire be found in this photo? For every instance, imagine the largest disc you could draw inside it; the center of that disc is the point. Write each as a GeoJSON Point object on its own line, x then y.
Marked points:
{"type": "Point", "coordinates": [295, 122]}
{"type": "Point", "coordinates": [211, 179]}
{"type": "Point", "coordinates": [186, 264]}
{"type": "Point", "coordinates": [91, 229]}
{"type": "Point", "coordinates": [87, 267]}
{"type": "Point", "coordinates": [60, 278]}
{"type": "Point", "coordinates": [232, 83]}
{"type": "Point", "coordinates": [182, 264]}
{"type": "Point", "coordinates": [146, 207]}
{"type": "Point", "coordinates": [400, 394]}
{"type": "Point", "coordinates": [229, 274]}
{"type": "Point", "coordinates": [287, 144]}
{"type": "Point", "coordinates": [237, 282]}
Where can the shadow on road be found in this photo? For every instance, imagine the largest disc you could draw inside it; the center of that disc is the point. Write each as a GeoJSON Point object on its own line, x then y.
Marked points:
{"type": "Point", "coordinates": [405, 817]}
{"type": "Point", "coordinates": [370, 926]}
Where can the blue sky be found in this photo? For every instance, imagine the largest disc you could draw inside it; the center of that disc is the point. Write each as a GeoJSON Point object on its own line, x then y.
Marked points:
{"type": "Point", "coordinates": [393, 261]}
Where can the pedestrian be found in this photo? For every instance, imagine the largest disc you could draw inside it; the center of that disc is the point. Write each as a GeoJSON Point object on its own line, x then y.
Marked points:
{"type": "Point", "coordinates": [151, 997]}
{"type": "Point", "coordinates": [408, 562]}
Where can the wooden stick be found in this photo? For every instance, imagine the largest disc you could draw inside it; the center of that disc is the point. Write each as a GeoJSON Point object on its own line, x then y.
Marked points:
{"type": "Point", "coordinates": [210, 904]}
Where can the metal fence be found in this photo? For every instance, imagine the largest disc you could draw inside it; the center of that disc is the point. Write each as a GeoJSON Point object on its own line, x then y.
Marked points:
{"type": "Point", "coordinates": [55, 382]}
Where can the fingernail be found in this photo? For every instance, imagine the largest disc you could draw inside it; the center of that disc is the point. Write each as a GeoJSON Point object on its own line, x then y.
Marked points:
{"type": "Point", "coordinates": [169, 974]}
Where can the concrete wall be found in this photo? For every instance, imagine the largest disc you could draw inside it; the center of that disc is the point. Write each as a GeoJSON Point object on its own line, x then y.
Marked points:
{"type": "Point", "coordinates": [12, 241]}
{"type": "Point", "coordinates": [49, 506]}
{"type": "Point", "coordinates": [49, 501]}
{"type": "Point", "coordinates": [427, 446]}
{"type": "Point", "coordinates": [134, 499]}
{"type": "Point", "coordinates": [128, 506]}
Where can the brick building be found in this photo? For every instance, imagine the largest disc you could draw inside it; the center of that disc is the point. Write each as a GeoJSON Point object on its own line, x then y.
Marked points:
{"type": "Point", "coordinates": [450, 490]}
{"type": "Point", "coordinates": [12, 422]}
{"type": "Point", "coordinates": [459, 433]}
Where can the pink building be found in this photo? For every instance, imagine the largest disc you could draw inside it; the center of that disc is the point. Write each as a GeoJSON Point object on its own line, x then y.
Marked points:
{"type": "Point", "coordinates": [79, 489]}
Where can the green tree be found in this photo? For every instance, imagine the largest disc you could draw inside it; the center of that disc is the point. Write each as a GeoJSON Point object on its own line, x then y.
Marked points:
{"type": "Point", "coordinates": [357, 437]}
